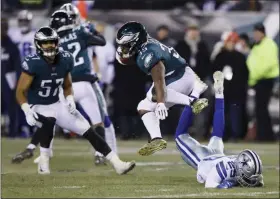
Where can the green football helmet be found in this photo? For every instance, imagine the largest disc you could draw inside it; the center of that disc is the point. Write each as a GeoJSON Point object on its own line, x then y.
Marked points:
{"type": "Point", "coordinates": [129, 39]}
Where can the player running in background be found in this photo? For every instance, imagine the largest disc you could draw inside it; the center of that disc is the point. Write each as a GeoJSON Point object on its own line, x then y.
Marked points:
{"type": "Point", "coordinates": [214, 168]}
{"type": "Point", "coordinates": [23, 36]}
{"type": "Point", "coordinates": [101, 118]}
{"type": "Point", "coordinates": [43, 74]}
{"type": "Point", "coordinates": [173, 81]}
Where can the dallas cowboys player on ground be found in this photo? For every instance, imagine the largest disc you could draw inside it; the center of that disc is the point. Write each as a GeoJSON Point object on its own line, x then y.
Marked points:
{"type": "Point", "coordinates": [99, 116]}
{"type": "Point", "coordinates": [43, 73]}
{"type": "Point", "coordinates": [214, 168]}
{"type": "Point", "coordinates": [173, 79]}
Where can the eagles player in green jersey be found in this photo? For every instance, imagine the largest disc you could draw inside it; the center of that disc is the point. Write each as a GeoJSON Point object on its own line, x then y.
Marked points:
{"type": "Point", "coordinates": [88, 94]}
{"type": "Point", "coordinates": [42, 75]}
{"type": "Point", "coordinates": [173, 81]}
{"type": "Point", "coordinates": [110, 135]}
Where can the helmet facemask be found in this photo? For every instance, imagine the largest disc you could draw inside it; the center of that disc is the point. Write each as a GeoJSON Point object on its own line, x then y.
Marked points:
{"type": "Point", "coordinates": [248, 169]}
{"type": "Point", "coordinates": [46, 41]}
{"type": "Point", "coordinates": [127, 50]}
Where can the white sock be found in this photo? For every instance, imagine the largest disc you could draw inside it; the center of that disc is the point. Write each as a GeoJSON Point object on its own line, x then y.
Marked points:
{"type": "Point", "coordinates": [151, 123]}
{"type": "Point", "coordinates": [195, 94]}
{"type": "Point", "coordinates": [44, 151]}
{"type": "Point", "coordinates": [110, 138]}
{"type": "Point", "coordinates": [98, 154]}
{"type": "Point", "coordinates": [175, 97]}
{"type": "Point", "coordinates": [219, 95]}
{"type": "Point", "coordinates": [51, 149]}
{"type": "Point", "coordinates": [113, 158]}
{"type": "Point", "coordinates": [31, 146]}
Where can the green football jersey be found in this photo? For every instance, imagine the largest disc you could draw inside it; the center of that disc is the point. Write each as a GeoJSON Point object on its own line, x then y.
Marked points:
{"type": "Point", "coordinates": [77, 43]}
{"type": "Point", "coordinates": [44, 88]}
{"type": "Point", "coordinates": [153, 51]}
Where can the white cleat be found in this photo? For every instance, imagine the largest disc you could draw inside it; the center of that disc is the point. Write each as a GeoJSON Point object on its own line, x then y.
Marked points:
{"type": "Point", "coordinates": [43, 165]}
{"type": "Point", "coordinates": [218, 77]}
{"type": "Point", "coordinates": [124, 167]}
{"type": "Point", "coordinates": [199, 86]}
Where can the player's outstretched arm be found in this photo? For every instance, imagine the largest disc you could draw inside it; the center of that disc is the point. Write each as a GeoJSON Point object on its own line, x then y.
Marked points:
{"type": "Point", "coordinates": [68, 93]}
{"type": "Point", "coordinates": [157, 73]}
{"type": "Point", "coordinates": [67, 86]}
{"type": "Point", "coordinates": [23, 85]}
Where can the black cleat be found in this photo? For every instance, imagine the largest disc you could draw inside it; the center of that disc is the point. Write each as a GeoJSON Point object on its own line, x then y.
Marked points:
{"type": "Point", "coordinates": [26, 154]}
{"type": "Point", "coordinates": [99, 160]}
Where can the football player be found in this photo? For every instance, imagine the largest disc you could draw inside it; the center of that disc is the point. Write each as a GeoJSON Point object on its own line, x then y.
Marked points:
{"type": "Point", "coordinates": [101, 118]}
{"type": "Point", "coordinates": [174, 82]}
{"type": "Point", "coordinates": [23, 36]}
{"type": "Point", "coordinates": [214, 168]}
{"type": "Point", "coordinates": [43, 73]}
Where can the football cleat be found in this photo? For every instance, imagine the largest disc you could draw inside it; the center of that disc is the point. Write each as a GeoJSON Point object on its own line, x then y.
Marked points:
{"type": "Point", "coordinates": [124, 167]}
{"type": "Point", "coordinates": [152, 147]}
{"type": "Point", "coordinates": [26, 154]}
{"type": "Point", "coordinates": [199, 104]}
{"type": "Point", "coordinates": [99, 160]}
{"type": "Point", "coordinates": [218, 77]}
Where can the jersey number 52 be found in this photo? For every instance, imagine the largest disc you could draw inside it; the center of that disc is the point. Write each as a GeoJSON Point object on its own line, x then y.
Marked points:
{"type": "Point", "coordinates": [75, 48]}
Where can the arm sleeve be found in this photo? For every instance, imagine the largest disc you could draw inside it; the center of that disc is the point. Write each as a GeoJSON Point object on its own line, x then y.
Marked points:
{"type": "Point", "coordinates": [27, 67]}
{"type": "Point", "coordinates": [148, 60]}
{"type": "Point", "coordinates": [92, 37]}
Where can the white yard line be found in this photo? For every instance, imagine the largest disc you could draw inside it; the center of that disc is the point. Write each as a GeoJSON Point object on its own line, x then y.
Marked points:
{"type": "Point", "coordinates": [207, 194]}
{"type": "Point", "coordinates": [69, 187]}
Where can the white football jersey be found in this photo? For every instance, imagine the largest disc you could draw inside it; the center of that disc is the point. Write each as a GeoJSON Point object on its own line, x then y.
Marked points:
{"type": "Point", "coordinates": [105, 57]}
{"type": "Point", "coordinates": [214, 169]}
{"type": "Point", "coordinates": [25, 42]}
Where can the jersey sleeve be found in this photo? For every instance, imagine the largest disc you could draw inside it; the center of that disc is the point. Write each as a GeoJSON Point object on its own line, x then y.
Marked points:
{"type": "Point", "coordinates": [214, 178]}
{"type": "Point", "coordinates": [91, 36]}
{"type": "Point", "coordinates": [148, 59]}
{"type": "Point", "coordinates": [27, 67]}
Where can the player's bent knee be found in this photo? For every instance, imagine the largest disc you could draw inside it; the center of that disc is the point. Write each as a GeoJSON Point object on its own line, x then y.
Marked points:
{"type": "Point", "coordinates": [145, 106]}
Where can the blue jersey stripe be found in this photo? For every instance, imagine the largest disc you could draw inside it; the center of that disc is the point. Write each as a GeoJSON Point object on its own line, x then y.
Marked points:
{"type": "Point", "coordinates": [219, 172]}
{"type": "Point", "coordinates": [223, 169]}
{"type": "Point", "coordinates": [191, 151]}
{"type": "Point", "coordinates": [186, 154]}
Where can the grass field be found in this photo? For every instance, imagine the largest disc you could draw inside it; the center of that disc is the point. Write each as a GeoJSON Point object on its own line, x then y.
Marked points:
{"type": "Point", "coordinates": [162, 175]}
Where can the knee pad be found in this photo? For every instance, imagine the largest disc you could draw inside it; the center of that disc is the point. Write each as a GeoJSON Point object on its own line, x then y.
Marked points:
{"type": "Point", "coordinates": [146, 105]}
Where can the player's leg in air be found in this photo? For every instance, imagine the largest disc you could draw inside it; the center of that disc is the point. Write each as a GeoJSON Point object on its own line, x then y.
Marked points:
{"type": "Point", "coordinates": [191, 150]}
{"type": "Point", "coordinates": [185, 91]}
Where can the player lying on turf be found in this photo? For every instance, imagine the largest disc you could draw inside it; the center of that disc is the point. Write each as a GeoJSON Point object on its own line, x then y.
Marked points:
{"type": "Point", "coordinates": [173, 81]}
{"type": "Point", "coordinates": [214, 168]}
{"type": "Point", "coordinates": [43, 73]}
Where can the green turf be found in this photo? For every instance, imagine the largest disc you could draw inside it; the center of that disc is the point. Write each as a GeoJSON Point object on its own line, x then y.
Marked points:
{"type": "Point", "coordinates": [74, 175]}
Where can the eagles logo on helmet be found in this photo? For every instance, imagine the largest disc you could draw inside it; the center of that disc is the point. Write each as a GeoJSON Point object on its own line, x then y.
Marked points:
{"type": "Point", "coordinates": [46, 42]}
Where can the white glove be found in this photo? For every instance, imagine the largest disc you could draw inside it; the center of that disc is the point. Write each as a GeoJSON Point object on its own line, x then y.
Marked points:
{"type": "Point", "coordinates": [30, 115]}
{"type": "Point", "coordinates": [71, 104]}
{"type": "Point", "coordinates": [161, 111]}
